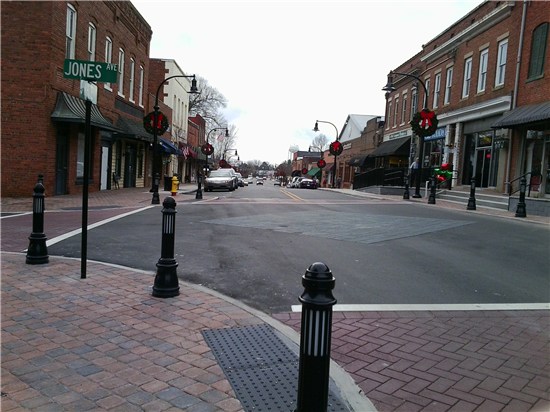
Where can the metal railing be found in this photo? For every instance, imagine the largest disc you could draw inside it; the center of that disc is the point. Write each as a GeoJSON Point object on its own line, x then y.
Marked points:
{"type": "Point", "coordinates": [529, 177]}
{"type": "Point", "coordinates": [380, 177]}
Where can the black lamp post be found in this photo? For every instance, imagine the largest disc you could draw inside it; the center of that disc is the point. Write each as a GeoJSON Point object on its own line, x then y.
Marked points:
{"type": "Point", "coordinates": [206, 150]}
{"type": "Point", "coordinates": [389, 87]}
{"type": "Point", "coordinates": [316, 129]}
{"type": "Point", "coordinates": [156, 175]}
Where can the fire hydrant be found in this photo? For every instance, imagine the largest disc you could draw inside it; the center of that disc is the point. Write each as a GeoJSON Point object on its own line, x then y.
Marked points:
{"type": "Point", "coordinates": [175, 185]}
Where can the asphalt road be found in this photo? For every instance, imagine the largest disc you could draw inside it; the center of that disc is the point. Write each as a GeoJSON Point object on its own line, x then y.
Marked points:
{"type": "Point", "coordinates": [254, 244]}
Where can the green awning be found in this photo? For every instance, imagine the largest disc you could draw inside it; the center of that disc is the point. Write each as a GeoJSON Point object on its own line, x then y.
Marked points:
{"type": "Point", "coordinates": [313, 171]}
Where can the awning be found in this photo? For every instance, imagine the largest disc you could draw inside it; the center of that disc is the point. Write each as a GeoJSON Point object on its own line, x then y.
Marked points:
{"type": "Point", "coordinates": [72, 109]}
{"type": "Point", "coordinates": [358, 161]}
{"type": "Point", "coordinates": [313, 171]}
{"type": "Point", "coordinates": [397, 147]}
{"type": "Point", "coordinates": [133, 129]}
{"type": "Point", "coordinates": [524, 115]}
{"type": "Point", "coordinates": [168, 147]}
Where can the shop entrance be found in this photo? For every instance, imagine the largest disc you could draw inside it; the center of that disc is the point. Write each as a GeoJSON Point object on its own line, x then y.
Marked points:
{"type": "Point", "coordinates": [482, 167]}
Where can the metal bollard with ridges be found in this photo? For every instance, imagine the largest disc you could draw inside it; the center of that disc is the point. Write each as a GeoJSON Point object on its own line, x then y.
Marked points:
{"type": "Point", "coordinates": [472, 198]}
{"type": "Point", "coordinates": [406, 194]}
{"type": "Point", "coordinates": [37, 252]}
{"type": "Point", "coordinates": [431, 197]}
{"type": "Point", "coordinates": [520, 210]}
{"type": "Point", "coordinates": [166, 280]}
{"type": "Point", "coordinates": [315, 333]}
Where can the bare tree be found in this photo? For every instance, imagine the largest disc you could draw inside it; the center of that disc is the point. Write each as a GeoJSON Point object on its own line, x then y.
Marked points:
{"type": "Point", "coordinates": [223, 144]}
{"type": "Point", "coordinates": [208, 103]}
{"type": "Point", "coordinates": [319, 143]}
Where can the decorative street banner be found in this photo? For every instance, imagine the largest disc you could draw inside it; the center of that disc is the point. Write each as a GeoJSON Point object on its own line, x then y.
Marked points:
{"type": "Point", "coordinates": [91, 71]}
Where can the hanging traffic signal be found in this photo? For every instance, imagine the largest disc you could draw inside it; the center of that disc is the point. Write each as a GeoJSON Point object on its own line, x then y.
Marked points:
{"type": "Point", "coordinates": [321, 163]}
{"type": "Point", "coordinates": [336, 148]}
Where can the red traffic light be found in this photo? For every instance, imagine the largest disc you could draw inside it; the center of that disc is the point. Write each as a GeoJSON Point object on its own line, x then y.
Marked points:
{"type": "Point", "coordinates": [321, 163]}
{"type": "Point", "coordinates": [336, 148]}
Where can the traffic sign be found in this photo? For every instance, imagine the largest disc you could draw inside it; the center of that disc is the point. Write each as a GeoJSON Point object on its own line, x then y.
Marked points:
{"type": "Point", "coordinates": [92, 71]}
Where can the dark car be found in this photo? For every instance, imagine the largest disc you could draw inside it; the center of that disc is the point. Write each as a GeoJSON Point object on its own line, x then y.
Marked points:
{"type": "Point", "coordinates": [308, 184]}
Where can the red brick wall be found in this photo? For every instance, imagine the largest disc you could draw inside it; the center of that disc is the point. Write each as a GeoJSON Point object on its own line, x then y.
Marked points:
{"type": "Point", "coordinates": [32, 75]}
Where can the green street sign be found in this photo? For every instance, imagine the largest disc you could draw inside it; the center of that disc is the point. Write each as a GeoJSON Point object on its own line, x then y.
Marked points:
{"type": "Point", "coordinates": [93, 71]}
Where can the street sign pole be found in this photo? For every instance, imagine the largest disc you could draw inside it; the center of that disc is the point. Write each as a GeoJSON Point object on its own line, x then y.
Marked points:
{"type": "Point", "coordinates": [85, 186]}
{"type": "Point", "coordinates": [98, 72]}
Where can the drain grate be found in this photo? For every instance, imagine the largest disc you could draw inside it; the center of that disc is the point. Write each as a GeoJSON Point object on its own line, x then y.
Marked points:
{"type": "Point", "coordinates": [260, 367]}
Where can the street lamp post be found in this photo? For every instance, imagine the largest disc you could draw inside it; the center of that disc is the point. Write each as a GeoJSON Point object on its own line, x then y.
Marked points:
{"type": "Point", "coordinates": [316, 129]}
{"type": "Point", "coordinates": [207, 150]}
{"type": "Point", "coordinates": [389, 87]}
{"type": "Point", "coordinates": [156, 175]}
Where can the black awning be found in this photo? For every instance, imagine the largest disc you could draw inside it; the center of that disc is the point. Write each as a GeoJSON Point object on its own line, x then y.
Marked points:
{"type": "Point", "coordinates": [308, 155]}
{"type": "Point", "coordinates": [133, 128]}
{"type": "Point", "coordinates": [72, 109]}
{"type": "Point", "coordinates": [358, 161]}
{"type": "Point", "coordinates": [397, 147]}
{"type": "Point", "coordinates": [524, 115]}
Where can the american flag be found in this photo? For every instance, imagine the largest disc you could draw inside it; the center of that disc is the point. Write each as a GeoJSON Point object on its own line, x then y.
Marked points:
{"type": "Point", "coordinates": [186, 151]}
{"type": "Point", "coordinates": [220, 137]}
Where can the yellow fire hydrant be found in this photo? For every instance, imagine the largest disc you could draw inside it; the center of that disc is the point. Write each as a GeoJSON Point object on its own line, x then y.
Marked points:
{"type": "Point", "coordinates": [175, 185]}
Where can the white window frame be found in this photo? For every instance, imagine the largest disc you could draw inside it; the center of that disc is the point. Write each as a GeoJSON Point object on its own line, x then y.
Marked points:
{"type": "Point", "coordinates": [483, 66]}
{"type": "Point", "coordinates": [448, 85]}
{"type": "Point", "coordinates": [121, 56]}
{"type": "Point", "coordinates": [500, 75]}
{"type": "Point", "coordinates": [437, 89]}
{"type": "Point", "coordinates": [92, 34]}
{"type": "Point", "coordinates": [395, 112]}
{"type": "Point", "coordinates": [404, 109]}
{"type": "Point", "coordinates": [70, 33]}
{"type": "Point", "coordinates": [467, 77]}
{"type": "Point", "coordinates": [388, 123]}
{"type": "Point", "coordinates": [140, 86]}
{"type": "Point", "coordinates": [414, 102]}
{"type": "Point", "coordinates": [427, 91]}
{"type": "Point", "coordinates": [108, 57]}
{"type": "Point", "coordinates": [132, 79]}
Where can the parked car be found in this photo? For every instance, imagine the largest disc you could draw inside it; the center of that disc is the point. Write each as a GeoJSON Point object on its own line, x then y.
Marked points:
{"type": "Point", "coordinates": [295, 182]}
{"type": "Point", "coordinates": [240, 180]}
{"type": "Point", "coordinates": [277, 182]}
{"type": "Point", "coordinates": [221, 179]}
{"type": "Point", "coordinates": [260, 182]}
{"type": "Point", "coordinates": [307, 184]}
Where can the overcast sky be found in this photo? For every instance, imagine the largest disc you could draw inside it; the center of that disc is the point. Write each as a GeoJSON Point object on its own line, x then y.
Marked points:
{"type": "Point", "coordinates": [284, 64]}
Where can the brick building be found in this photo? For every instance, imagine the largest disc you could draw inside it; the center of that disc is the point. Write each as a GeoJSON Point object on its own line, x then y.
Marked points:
{"type": "Point", "coordinates": [35, 92]}
{"type": "Point", "coordinates": [476, 72]}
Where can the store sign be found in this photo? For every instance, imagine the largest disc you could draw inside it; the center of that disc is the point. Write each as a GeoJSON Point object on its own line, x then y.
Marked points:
{"type": "Point", "coordinates": [439, 134]}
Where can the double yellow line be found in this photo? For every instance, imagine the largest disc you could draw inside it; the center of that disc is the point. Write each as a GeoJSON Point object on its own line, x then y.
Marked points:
{"type": "Point", "coordinates": [292, 195]}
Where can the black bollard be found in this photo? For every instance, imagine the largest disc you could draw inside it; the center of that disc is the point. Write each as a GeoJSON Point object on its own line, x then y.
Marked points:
{"type": "Point", "coordinates": [198, 195]}
{"type": "Point", "coordinates": [406, 194]}
{"type": "Point", "coordinates": [166, 281]}
{"type": "Point", "coordinates": [472, 199]}
{"type": "Point", "coordinates": [37, 252]}
{"type": "Point", "coordinates": [317, 301]}
{"type": "Point", "coordinates": [431, 197]}
{"type": "Point", "coordinates": [520, 210]}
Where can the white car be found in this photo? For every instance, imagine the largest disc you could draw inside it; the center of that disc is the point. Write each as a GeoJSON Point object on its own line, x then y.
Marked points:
{"type": "Point", "coordinates": [221, 179]}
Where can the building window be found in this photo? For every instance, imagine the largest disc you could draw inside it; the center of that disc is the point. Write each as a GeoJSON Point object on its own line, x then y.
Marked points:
{"type": "Point", "coordinates": [395, 113]}
{"type": "Point", "coordinates": [448, 85]}
{"type": "Point", "coordinates": [437, 89]}
{"type": "Point", "coordinates": [425, 102]}
{"type": "Point", "coordinates": [121, 72]}
{"type": "Point", "coordinates": [538, 51]}
{"type": "Point", "coordinates": [501, 62]}
{"type": "Point", "coordinates": [108, 57]}
{"type": "Point", "coordinates": [132, 74]}
{"type": "Point", "coordinates": [467, 77]}
{"type": "Point", "coordinates": [482, 79]}
{"type": "Point", "coordinates": [140, 86]}
{"type": "Point", "coordinates": [414, 102]}
{"type": "Point", "coordinates": [91, 42]}
{"type": "Point", "coordinates": [389, 115]}
{"type": "Point", "coordinates": [70, 31]}
{"type": "Point", "coordinates": [404, 109]}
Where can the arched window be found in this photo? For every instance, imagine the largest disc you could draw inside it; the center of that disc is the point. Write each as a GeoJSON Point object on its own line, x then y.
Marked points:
{"type": "Point", "coordinates": [538, 51]}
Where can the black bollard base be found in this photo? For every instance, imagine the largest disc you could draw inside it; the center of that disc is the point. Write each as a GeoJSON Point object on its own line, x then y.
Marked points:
{"type": "Point", "coordinates": [37, 252]}
{"type": "Point", "coordinates": [198, 195]}
{"type": "Point", "coordinates": [406, 194]}
{"type": "Point", "coordinates": [166, 281]}
{"type": "Point", "coordinates": [520, 210]}
{"type": "Point", "coordinates": [431, 197]}
{"type": "Point", "coordinates": [471, 204]}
